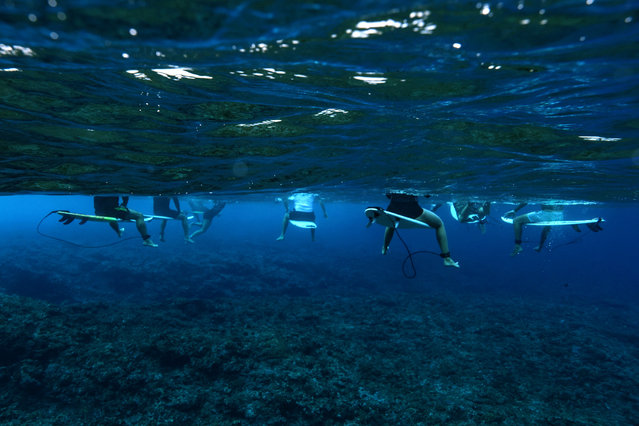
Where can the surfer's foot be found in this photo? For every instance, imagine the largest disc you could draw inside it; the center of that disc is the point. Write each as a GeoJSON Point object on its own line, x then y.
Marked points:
{"type": "Point", "coordinates": [450, 262]}
{"type": "Point", "coordinates": [384, 250]}
{"type": "Point", "coordinates": [188, 240]}
{"type": "Point", "coordinates": [516, 250]}
{"type": "Point", "coordinates": [162, 238]}
{"type": "Point", "coordinates": [280, 238]}
{"type": "Point", "coordinates": [538, 249]}
{"type": "Point", "coordinates": [149, 243]}
{"type": "Point", "coordinates": [120, 232]}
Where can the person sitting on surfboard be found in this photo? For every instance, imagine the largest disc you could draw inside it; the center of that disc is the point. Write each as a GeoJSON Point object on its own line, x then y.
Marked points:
{"type": "Point", "coordinates": [162, 207]}
{"type": "Point", "coordinates": [109, 206]}
{"type": "Point", "coordinates": [208, 211]}
{"type": "Point", "coordinates": [302, 214]}
{"type": "Point", "coordinates": [407, 205]}
{"type": "Point", "coordinates": [549, 212]}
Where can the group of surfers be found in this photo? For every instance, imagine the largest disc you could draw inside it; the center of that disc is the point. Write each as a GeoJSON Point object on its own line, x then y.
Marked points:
{"type": "Point", "coordinates": [302, 214]}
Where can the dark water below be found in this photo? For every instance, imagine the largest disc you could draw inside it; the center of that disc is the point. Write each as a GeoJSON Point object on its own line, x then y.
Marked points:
{"type": "Point", "coordinates": [247, 100]}
{"type": "Point", "coordinates": [517, 99]}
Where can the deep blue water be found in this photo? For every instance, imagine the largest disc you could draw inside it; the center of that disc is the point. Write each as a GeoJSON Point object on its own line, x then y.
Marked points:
{"type": "Point", "coordinates": [247, 101]}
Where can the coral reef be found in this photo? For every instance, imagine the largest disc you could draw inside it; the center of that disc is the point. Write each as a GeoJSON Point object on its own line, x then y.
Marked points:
{"type": "Point", "coordinates": [258, 359]}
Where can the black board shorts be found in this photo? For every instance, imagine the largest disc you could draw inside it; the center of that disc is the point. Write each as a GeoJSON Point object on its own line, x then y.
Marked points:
{"type": "Point", "coordinates": [302, 216]}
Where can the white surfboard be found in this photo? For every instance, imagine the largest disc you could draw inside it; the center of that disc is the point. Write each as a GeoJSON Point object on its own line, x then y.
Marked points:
{"type": "Point", "coordinates": [391, 220]}
{"type": "Point", "coordinates": [148, 217]}
{"type": "Point", "coordinates": [557, 222]}
{"type": "Point", "coordinates": [306, 224]}
{"type": "Point", "coordinates": [68, 217]}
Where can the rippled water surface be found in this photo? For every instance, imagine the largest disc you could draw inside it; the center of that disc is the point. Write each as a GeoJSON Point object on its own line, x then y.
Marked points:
{"type": "Point", "coordinates": [515, 99]}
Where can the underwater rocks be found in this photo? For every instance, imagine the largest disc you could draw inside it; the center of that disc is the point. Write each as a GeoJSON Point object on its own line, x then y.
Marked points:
{"type": "Point", "coordinates": [259, 359]}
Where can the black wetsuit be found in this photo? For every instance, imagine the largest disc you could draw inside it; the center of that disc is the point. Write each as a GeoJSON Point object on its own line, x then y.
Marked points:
{"type": "Point", "coordinates": [404, 204]}
{"type": "Point", "coordinates": [108, 206]}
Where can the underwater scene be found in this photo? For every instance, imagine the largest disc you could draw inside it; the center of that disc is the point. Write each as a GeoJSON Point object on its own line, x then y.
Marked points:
{"type": "Point", "coordinates": [258, 212]}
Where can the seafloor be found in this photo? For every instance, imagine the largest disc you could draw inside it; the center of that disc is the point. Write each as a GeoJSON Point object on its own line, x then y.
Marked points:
{"type": "Point", "coordinates": [318, 359]}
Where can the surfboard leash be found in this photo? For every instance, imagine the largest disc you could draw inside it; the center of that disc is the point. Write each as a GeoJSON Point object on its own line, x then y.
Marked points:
{"type": "Point", "coordinates": [409, 257]}
{"type": "Point", "coordinates": [71, 242]}
{"type": "Point", "coordinates": [596, 227]}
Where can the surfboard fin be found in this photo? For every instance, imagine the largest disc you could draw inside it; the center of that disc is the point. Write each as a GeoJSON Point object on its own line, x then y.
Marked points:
{"type": "Point", "coordinates": [83, 221]}
{"type": "Point", "coordinates": [66, 219]}
{"type": "Point", "coordinates": [595, 227]}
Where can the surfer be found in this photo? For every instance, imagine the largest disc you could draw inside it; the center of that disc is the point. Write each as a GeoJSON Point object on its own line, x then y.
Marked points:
{"type": "Point", "coordinates": [208, 209]}
{"type": "Point", "coordinates": [548, 213]}
{"type": "Point", "coordinates": [473, 212]}
{"type": "Point", "coordinates": [162, 207]}
{"type": "Point", "coordinates": [109, 206]}
{"type": "Point", "coordinates": [407, 205]}
{"type": "Point", "coordinates": [302, 213]}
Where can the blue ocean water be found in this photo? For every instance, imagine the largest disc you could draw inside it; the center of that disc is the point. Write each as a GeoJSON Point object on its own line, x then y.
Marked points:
{"type": "Point", "coordinates": [247, 101]}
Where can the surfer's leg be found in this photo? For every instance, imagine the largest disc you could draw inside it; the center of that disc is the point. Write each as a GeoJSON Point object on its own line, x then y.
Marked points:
{"type": "Point", "coordinates": [185, 227]}
{"type": "Point", "coordinates": [434, 221]}
{"type": "Point", "coordinates": [206, 223]}
{"type": "Point", "coordinates": [542, 239]}
{"type": "Point", "coordinates": [162, 228]}
{"type": "Point", "coordinates": [116, 228]}
{"type": "Point", "coordinates": [388, 236]}
{"type": "Point", "coordinates": [140, 224]}
{"type": "Point", "coordinates": [284, 226]}
{"type": "Point", "coordinates": [518, 224]}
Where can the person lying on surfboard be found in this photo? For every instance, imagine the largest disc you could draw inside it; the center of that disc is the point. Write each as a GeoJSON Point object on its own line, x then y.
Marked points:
{"type": "Point", "coordinates": [303, 214]}
{"type": "Point", "coordinates": [407, 205]}
{"type": "Point", "coordinates": [473, 212]}
{"type": "Point", "coordinates": [109, 206]}
{"type": "Point", "coordinates": [548, 212]}
{"type": "Point", "coordinates": [162, 207]}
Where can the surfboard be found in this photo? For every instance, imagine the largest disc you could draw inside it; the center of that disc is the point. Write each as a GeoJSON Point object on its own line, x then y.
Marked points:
{"type": "Point", "coordinates": [148, 217]}
{"type": "Point", "coordinates": [306, 224]}
{"type": "Point", "coordinates": [391, 220]}
{"type": "Point", "coordinates": [558, 222]}
{"type": "Point", "coordinates": [453, 211]}
{"type": "Point", "coordinates": [68, 217]}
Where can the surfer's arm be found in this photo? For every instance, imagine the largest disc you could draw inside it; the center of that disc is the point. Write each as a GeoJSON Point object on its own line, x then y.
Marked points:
{"type": "Point", "coordinates": [177, 204]}
{"type": "Point", "coordinates": [321, 203]}
{"type": "Point", "coordinates": [511, 214]}
{"type": "Point", "coordinates": [519, 207]}
{"type": "Point", "coordinates": [125, 201]}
